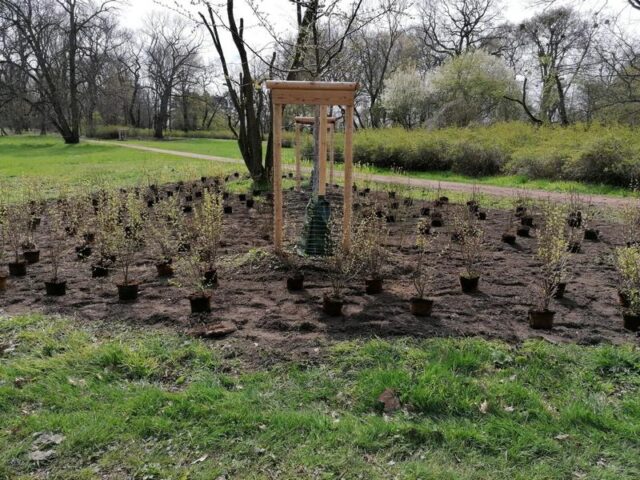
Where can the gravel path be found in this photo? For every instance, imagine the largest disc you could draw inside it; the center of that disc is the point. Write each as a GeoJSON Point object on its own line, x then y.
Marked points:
{"type": "Point", "coordinates": [600, 200]}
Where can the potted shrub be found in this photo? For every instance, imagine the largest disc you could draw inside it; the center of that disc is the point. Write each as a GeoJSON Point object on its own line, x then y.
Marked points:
{"type": "Point", "coordinates": [422, 274]}
{"type": "Point", "coordinates": [343, 266]}
{"type": "Point", "coordinates": [191, 274]}
{"type": "Point", "coordinates": [16, 227]}
{"type": "Point", "coordinates": [471, 245]}
{"type": "Point", "coordinates": [128, 239]}
{"type": "Point", "coordinates": [369, 238]}
{"type": "Point", "coordinates": [3, 276]}
{"type": "Point", "coordinates": [552, 254]}
{"type": "Point", "coordinates": [292, 264]}
{"type": "Point", "coordinates": [106, 228]}
{"type": "Point", "coordinates": [207, 230]}
{"type": "Point", "coordinates": [164, 235]}
{"type": "Point", "coordinates": [628, 267]}
{"type": "Point", "coordinates": [55, 286]}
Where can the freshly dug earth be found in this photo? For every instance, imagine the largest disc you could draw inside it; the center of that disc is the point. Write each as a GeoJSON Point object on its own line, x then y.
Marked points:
{"type": "Point", "coordinates": [259, 319]}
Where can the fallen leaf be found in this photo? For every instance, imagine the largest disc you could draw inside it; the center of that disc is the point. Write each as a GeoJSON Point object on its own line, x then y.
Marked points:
{"type": "Point", "coordinates": [200, 460]}
{"type": "Point", "coordinates": [389, 400]}
{"type": "Point", "coordinates": [484, 407]}
{"type": "Point", "coordinates": [41, 455]}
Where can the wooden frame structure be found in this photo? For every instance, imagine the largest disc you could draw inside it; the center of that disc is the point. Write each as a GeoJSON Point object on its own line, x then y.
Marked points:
{"type": "Point", "coordinates": [322, 95]}
{"type": "Point", "coordinates": [299, 122]}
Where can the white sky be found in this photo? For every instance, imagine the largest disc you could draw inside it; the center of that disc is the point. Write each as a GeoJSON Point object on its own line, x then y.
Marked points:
{"type": "Point", "coordinates": [282, 14]}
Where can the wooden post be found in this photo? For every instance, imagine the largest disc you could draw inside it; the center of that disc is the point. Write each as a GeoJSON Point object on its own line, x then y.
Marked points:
{"type": "Point", "coordinates": [322, 152]}
{"type": "Point", "coordinates": [332, 151]}
{"type": "Point", "coordinates": [348, 177]}
{"type": "Point", "coordinates": [277, 178]}
{"type": "Point", "coordinates": [298, 158]}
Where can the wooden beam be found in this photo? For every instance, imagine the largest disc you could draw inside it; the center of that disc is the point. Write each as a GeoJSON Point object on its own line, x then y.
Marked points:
{"type": "Point", "coordinates": [332, 152]}
{"type": "Point", "coordinates": [312, 120]}
{"type": "Point", "coordinates": [307, 85]}
{"type": "Point", "coordinates": [348, 178]}
{"type": "Point", "coordinates": [322, 152]}
{"type": "Point", "coordinates": [278, 219]}
{"type": "Point", "coordinates": [298, 158]}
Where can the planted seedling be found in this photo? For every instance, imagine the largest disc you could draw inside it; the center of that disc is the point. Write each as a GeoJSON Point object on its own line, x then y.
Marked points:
{"type": "Point", "coordinates": [552, 255]}
{"type": "Point", "coordinates": [207, 229]}
{"type": "Point", "coordinates": [423, 272]}
{"type": "Point", "coordinates": [628, 266]}
{"type": "Point", "coordinates": [369, 239]}
{"type": "Point", "coordinates": [128, 239]}
{"type": "Point", "coordinates": [471, 247]}
{"type": "Point", "coordinates": [164, 235]}
{"type": "Point", "coordinates": [56, 286]}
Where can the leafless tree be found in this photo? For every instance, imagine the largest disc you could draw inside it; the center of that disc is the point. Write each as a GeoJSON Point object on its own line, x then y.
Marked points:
{"type": "Point", "coordinates": [451, 27]}
{"type": "Point", "coordinates": [171, 50]}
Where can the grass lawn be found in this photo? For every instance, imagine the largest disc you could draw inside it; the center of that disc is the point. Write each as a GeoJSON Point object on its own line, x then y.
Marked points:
{"type": "Point", "coordinates": [139, 402]}
{"type": "Point", "coordinates": [229, 149]}
{"type": "Point", "coordinates": [51, 161]}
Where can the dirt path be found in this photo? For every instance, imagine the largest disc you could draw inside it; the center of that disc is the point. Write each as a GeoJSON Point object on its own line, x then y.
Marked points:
{"type": "Point", "coordinates": [600, 200]}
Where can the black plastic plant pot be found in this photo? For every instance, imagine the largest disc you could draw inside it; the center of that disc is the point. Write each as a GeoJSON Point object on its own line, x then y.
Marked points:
{"type": "Point", "coordinates": [188, 198]}
{"type": "Point", "coordinates": [187, 209]}
{"type": "Point", "coordinates": [99, 271]}
{"type": "Point", "coordinates": [592, 235]}
{"type": "Point", "coordinates": [198, 194]}
{"type": "Point", "coordinates": [228, 209]}
{"type": "Point", "coordinates": [332, 306]}
{"type": "Point", "coordinates": [561, 289]}
{"type": "Point", "coordinates": [391, 218]}
{"type": "Point", "coordinates": [373, 286]}
{"type": "Point", "coordinates": [392, 194]}
{"type": "Point", "coordinates": [210, 278]}
{"type": "Point", "coordinates": [257, 193]}
{"type": "Point", "coordinates": [18, 269]}
{"type": "Point", "coordinates": [295, 283]}
{"type": "Point", "coordinates": [541, 320]}
{"type": "Point", "coordinates": [444, 199]}
{"type": "Point", "coordinates": [200, 303]}
{"type": "Point", "coordinates": [436, 222]}
{"type": "Point", "coordinates": [631, 321]}
{"type": "Point", "coordinates": [164, 269]}
{"type": "Point", "coordinates": [128, 292]}
{"type": "Point", "coordinates": [526, 221]}
{"type": "Point", "coordinates": [31, 256]}
{"type": "Point", "coordinates": [425, 211]}
{"type": "Point", "coordinates": [523, 231]}
{"type": "Point", "coordinates": [242, 197]}
{"type": "Point", "coordinates": [3, 282]}
{"type": "Point", "coordinates": [509, 238]}
{"type": "Point", "coordinates": [482, 215]}
{"type": "Point", "coordinates": [56, 288]}
{"type": "Point", "coordinates": [83, 251]}
{"type": "Point", "coordinates": [469, 284]}
{"type": "Point", "coordinates": [250, 202]}
{"type": "Point", "coordinates": [421, 307]}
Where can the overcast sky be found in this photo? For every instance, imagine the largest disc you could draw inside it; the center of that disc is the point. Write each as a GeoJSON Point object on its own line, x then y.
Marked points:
{"type": "Point", "coordinates": [282, 13]}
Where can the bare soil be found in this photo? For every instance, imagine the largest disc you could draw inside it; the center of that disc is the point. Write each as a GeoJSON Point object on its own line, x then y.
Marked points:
{"type": "Point", "coordinates": [257, 318]}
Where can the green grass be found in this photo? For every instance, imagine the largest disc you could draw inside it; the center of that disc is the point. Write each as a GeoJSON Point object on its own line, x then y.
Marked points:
{"type": "Point", "coordinates": [140, 403]}
{"type": "Point", "coordinates": [49, 160]}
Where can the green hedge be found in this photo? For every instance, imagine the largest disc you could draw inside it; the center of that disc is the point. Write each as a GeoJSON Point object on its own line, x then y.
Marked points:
{"type": "Point", "coordinates": [588, 153]}
{"type": "Point", "coordinates": [110, 132]}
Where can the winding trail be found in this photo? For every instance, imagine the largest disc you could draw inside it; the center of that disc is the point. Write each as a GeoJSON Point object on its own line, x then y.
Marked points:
{"type": "Point", "coordinates": [598, 200]}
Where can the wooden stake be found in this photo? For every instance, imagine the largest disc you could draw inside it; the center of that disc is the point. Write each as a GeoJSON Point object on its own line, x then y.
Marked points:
{"type": "Point", "coordinates": [348, 177]}
{"type": "Point", "coordinates": [298, 158]}
{"type": "Point", "coordinates": [332, 151]}
{"type": "Point", "coordinates": [277, 178]}
{"type": "Point", "coordinates": [322, 152]}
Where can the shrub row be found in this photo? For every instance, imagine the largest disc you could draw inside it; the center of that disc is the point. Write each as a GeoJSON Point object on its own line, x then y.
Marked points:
{"type": "Point", "coordinates": [595, 154]}
{"type": "Point", "coordinates": [111, 132]}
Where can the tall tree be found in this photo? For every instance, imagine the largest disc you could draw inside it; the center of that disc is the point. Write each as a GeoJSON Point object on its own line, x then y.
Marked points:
{"type": "Point", "coordinates": [53, 30]}
{"type": "Point", "coordinates": [171, 50]}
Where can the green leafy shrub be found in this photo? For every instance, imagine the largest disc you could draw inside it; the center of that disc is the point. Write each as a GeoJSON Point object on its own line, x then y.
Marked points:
{"type": "Point", "coordinates": [476, 160]}
{"type": "Point", "coordinates": [543, 165]}
{"type": "Point", "coordinates": [607, 160]}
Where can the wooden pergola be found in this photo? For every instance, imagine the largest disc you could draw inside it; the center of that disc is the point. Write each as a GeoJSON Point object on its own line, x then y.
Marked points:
{"type": "Point", "coordinates": [322, 95]}
{"type": "Point", "coordinates": [299, 123]}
